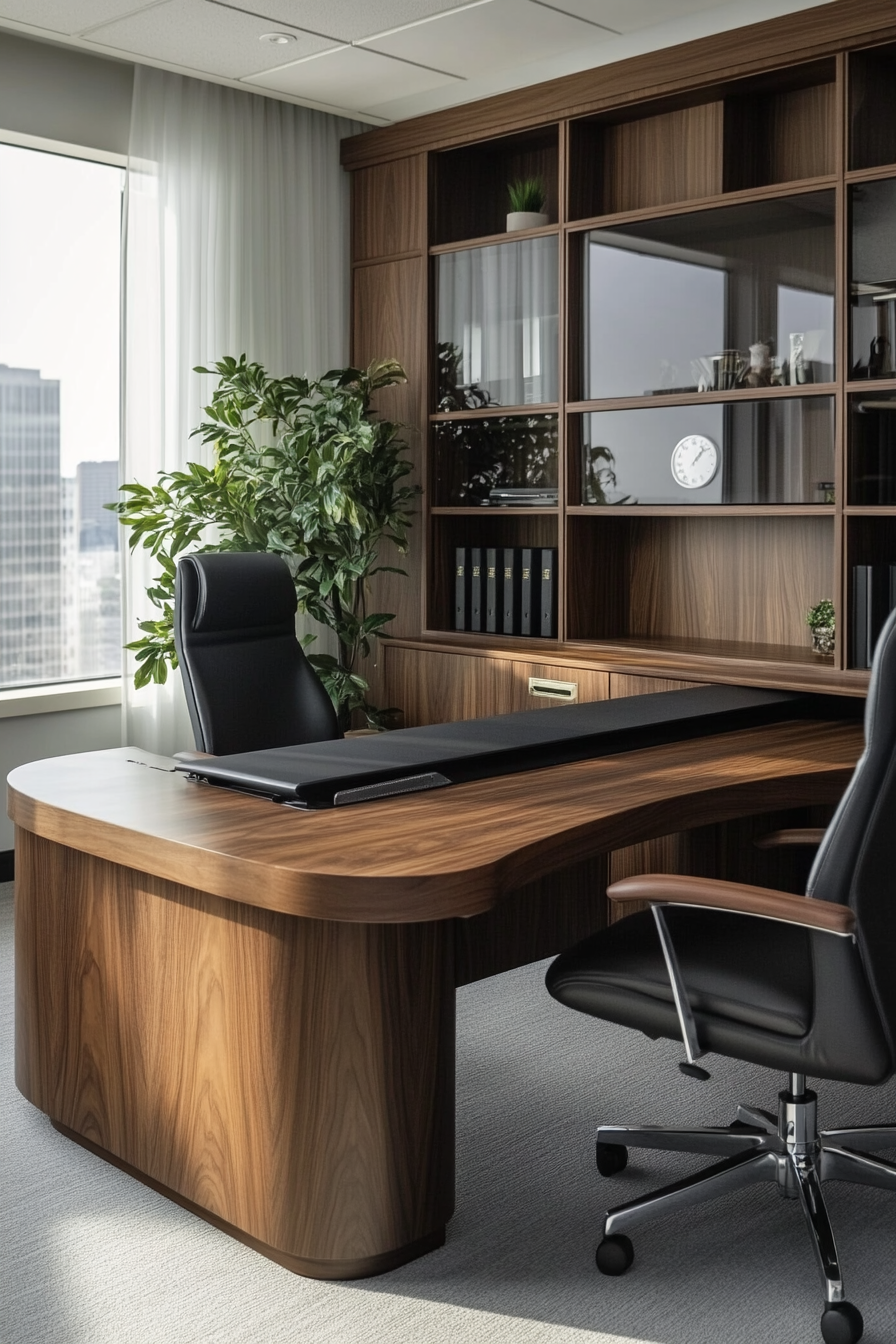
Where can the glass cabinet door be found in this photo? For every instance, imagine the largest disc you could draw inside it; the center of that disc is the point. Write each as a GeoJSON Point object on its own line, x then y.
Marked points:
{"type": "Point", "coordinates": [872, 452]}
{"type": "Point", "coordinates": [711, 301]}
{"type": "Point", "coordinates": [505, 461]}
{"type": "Point", "coordinates": [873, 279]}
{"type": "Point", "coordinates": [496, 325]}
{"type": "Point", "coordinates": [773, 451]}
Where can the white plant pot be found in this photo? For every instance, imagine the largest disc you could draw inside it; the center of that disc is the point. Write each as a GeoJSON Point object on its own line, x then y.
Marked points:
{"type": "Point", "coordinates": [525, 219]}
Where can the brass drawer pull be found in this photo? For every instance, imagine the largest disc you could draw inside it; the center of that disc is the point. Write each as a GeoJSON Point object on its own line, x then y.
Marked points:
{"type": "Point", "coordinates": [554, 690]}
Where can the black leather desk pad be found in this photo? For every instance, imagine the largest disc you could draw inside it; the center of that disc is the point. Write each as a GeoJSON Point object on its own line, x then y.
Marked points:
{"type": "Point", "coordinates": [326, 774]}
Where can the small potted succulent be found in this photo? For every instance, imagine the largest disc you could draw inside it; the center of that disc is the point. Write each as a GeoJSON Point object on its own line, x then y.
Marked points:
{"type": "Point", "coordinates": [528, 198]}
{"type": "Point", "coordinates": [821, 621]}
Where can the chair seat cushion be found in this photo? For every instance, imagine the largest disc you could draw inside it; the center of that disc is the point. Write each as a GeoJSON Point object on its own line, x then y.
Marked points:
{"type": "Point", "coordinates": [746, 971]}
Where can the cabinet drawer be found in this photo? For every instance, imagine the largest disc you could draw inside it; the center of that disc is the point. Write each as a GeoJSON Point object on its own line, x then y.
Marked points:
{"type": "Point", "coordinates": [622, 685]}
{"type": "Point", "coordinates": [434, 687]}
{"type": "Point", "coordinates": [528, 685]}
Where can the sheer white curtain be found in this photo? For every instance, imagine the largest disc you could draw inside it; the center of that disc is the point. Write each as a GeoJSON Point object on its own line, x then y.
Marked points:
{"type": "Point", "coordinates": [236, 240]}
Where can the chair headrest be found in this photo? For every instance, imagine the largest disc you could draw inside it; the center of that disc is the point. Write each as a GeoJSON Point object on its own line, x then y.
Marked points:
{"type": "Point", "coordinates": [237, 590]}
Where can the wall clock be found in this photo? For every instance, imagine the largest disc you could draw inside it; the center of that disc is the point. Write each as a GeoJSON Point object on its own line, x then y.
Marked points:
{"type": "Point", "coordinates": [695, 461]}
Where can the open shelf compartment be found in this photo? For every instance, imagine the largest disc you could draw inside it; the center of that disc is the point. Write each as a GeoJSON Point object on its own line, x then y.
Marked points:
{"type": "Point", "coordinates": [469, 185]}
{"type": "Point", "coordinates": [872, 125]}
{"type": "Point", "coordinates": [448, 532]}
{"type": "Point", "coordinates": [689, 584]}
{"type": "Point", "coordinates": [756, 132]}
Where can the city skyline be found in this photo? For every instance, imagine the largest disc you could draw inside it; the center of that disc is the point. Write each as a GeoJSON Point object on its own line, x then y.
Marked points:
{"type": "Point", "coordinates": [60, 600]}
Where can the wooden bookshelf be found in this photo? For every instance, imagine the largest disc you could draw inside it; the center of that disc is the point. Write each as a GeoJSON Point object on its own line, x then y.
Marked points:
{"type": "Point", "coordinates": [669, 154]}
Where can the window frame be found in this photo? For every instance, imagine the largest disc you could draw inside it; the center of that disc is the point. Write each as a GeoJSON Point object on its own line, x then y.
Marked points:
{"type": "Point", "coordinates": [53, 696]}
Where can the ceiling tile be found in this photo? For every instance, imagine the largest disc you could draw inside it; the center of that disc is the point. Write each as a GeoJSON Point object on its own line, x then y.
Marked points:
{"type": "Point", "coordinates": [67, 16]}
{"type": "Point", "coordinates": [471, 42]}
{"type": "Point", "coordinates": [200, 36]}
{"type": "Point", "coordinates": [627, 16]}
{"type": "Point", "coordinates": [349, 20]}
{"type": "Point", "coordinates": [349, 77]}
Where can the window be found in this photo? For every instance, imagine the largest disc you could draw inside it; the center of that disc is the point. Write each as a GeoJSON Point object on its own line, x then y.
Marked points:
{"type": "Point", "coordinates": [60, 261]}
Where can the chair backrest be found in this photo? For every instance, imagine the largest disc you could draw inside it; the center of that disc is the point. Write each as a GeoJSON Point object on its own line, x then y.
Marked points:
{"type": "Point", "coordinates": [247, 681]}
{"type": "Point", "coordinates": [856, 864]}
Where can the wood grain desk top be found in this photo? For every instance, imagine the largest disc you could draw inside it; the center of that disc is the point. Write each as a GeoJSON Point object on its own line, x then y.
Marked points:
{"type": "Point", "coordinates": [428, 856]}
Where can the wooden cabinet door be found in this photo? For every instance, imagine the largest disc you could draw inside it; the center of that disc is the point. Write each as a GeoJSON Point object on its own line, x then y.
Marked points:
{"type": "Point", "coordinates": [622, 685]}
{"type": "Point", "coordinates": [438, 687]}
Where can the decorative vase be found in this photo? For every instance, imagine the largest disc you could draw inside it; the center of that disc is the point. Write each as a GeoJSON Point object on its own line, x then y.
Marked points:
{"type": "Point", "coordinates": [823, 639]}
{"type": "Point", "coordinates": [759, 374]}
{"type": "Point", "coordinates": [525, 219]}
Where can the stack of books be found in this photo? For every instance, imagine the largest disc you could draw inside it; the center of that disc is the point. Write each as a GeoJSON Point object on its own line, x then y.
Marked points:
{"type": "Point", "coordinates": [873, 598]}
{"type": "Point", "coordinates": [506, 590]}
{"type": "Point", "coordinates": [523, 496]}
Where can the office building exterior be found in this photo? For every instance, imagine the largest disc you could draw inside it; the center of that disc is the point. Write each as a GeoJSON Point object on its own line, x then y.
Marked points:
{"type": "Point", "coordinates": [60, 574]}
{"type": "Point", "coordinates": [31, 645]}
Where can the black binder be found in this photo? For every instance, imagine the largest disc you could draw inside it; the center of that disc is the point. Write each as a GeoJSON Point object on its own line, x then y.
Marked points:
{"type": "Point", "coordinates": [528, 591]}
{"type": "Point", "coordinates": [512, 573]}
{"type": "Point", "coordinates": [462, 588]}
{"type": "Point", "coordinates": [547, 569]}
{"type": "Point", "coordinates": [873, 598]}
{"type": "Point", "coordinates": [494, 589]}
{"type": "Point", "coordinates": [477, 589]}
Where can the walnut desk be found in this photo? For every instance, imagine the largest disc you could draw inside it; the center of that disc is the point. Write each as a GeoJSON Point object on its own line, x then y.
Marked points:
{"type": "Point", "coordinates": [251, 1008]}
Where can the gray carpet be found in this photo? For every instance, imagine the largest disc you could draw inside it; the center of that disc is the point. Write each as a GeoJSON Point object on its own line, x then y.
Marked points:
{"type": "Point", "coordinates": [89, 1256]}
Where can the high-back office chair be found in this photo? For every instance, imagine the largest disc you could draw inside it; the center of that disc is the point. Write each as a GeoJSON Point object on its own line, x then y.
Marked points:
{"type": "Point", "coordinates": [247, 682]}
{"type": "Point", "coordinates": [804, 985]}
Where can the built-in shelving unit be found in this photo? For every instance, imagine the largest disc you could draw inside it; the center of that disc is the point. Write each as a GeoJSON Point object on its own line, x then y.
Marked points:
{"type": "Point", "coordinates": [695, 351]}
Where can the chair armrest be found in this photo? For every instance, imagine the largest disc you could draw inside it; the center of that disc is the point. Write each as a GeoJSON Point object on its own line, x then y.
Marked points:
{"type": "Point", "coordinates": [794, 835]}
{"type": "Point", "coordinates": [187, 756]}
{"type": "Point", "coordinates": [736, 897]}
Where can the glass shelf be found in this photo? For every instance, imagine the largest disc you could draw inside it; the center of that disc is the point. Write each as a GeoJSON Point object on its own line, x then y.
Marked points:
{"type": "Point", "coordinates": [713, 300]}
{"type": "Point", "coordinates": [777, 451]}
{"type": "Point", "coordinates": [496, 325]}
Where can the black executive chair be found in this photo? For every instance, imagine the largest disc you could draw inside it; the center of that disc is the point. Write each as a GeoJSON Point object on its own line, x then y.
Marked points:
{"type": "Point", "coordinates": [247, 682]}
{"type": "Point", "coordinates": [808, 987]}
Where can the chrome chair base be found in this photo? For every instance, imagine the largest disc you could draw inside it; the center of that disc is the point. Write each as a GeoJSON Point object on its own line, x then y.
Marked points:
{"type": "Point", "coordinates": [788, 1150]}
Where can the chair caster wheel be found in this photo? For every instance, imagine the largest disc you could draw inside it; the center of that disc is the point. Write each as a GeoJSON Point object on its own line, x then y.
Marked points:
{"type": "Point", "coordinates": [614, 1255]}
{"type": "Point", "coordinates": [611, 1158]}
{"type": "Point", "coordinates": [841, 1323]}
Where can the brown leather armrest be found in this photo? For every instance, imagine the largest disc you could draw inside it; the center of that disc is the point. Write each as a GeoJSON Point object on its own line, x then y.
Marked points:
{"type": "Point", "coordinates": [673, 889]}
{"type": "Point", "coordinates": [187, 756]}
{"type": "Point", "coordinates": [794, 835]}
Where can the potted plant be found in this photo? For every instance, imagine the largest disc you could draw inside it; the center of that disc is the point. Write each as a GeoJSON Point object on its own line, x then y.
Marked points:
{"type": "Point", "coordinates": [821, 621]}
{"type": "Point", "coordinates": [528, 198]}
{"type": "Point", "coordinates": [303, 469]}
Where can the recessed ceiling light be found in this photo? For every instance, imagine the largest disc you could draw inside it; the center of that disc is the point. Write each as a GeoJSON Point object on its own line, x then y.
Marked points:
{"type": "Point", "coordinates": [277, 39]}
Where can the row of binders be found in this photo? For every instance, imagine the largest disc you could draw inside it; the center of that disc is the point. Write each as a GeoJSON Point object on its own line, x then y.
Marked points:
{"type": "Point", "coordinates": [506, 590]}
{"type": "Point", "coordinates": [873, 598]}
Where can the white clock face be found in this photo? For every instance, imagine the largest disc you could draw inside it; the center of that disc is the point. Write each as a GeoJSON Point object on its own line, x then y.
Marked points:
{"type": "Point", "coordinates": [695, 461]}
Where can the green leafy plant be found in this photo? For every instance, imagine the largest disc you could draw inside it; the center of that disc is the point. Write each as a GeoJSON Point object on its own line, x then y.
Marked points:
{"type": "Point", "coordinates": [303, 469]}
{"type": "Point", "coordinates": [527, 195]}
{"type": "Point", "coordinates": [821, 616]}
